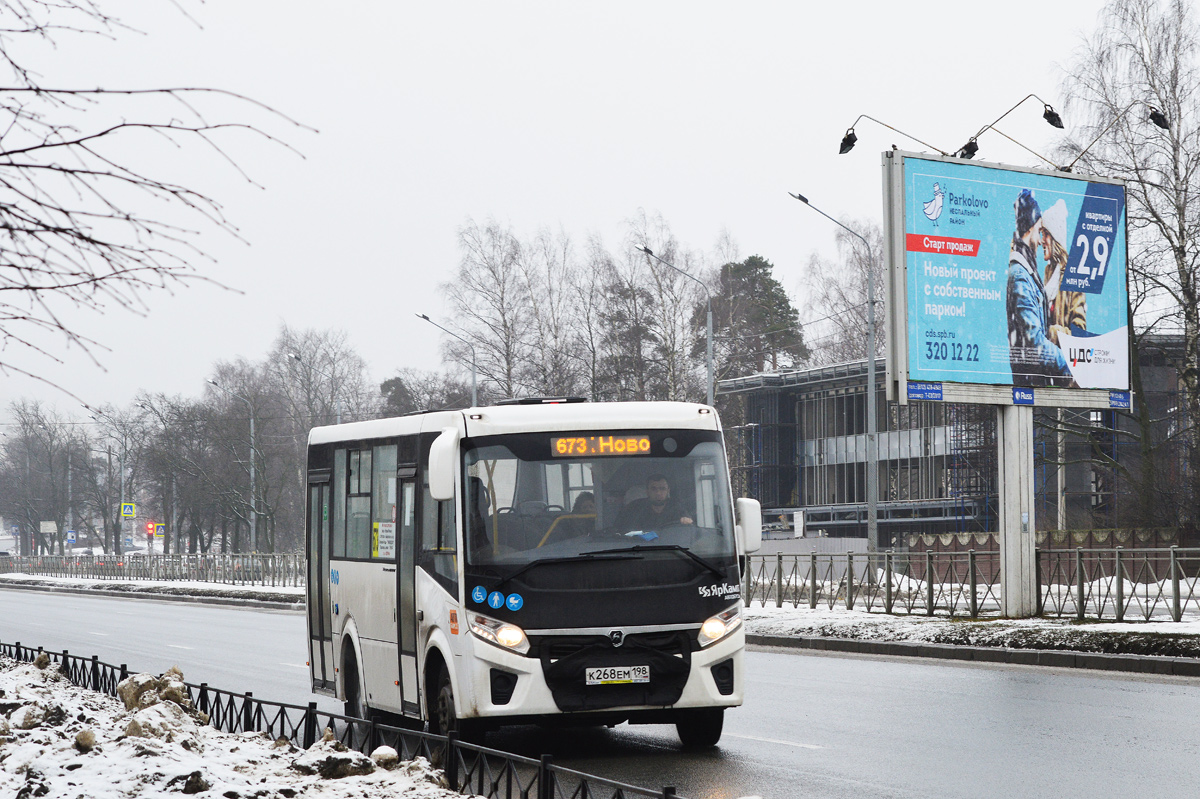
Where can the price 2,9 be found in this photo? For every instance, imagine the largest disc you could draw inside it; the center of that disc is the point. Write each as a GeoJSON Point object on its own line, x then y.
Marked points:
{"type": "Point", "coordinates": [949, 351]}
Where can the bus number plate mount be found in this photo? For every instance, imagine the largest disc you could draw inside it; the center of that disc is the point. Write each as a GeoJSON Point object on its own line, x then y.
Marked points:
{"type": "Point", "coordinates": [617, 675]}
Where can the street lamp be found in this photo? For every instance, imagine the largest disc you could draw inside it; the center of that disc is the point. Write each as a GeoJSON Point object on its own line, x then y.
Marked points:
{"type": "Point", "coordinates": [474, 389]}
{"type": "Point", "coordinates": [850, 139]}
{"type": "Point", "coordinates": [253, 495]}
{"type": "Point", "coordinates": [337, 400]}
{"type": "Point", "coordinates": [708, 332]}
{"type": "Point", "coordinates": [119, 543]}
{"type": "Point", "coordinates": [968, 150]}
{"type": "Point", "coordinates": [1156, 116]}
{"type": "Point", "coordinates": [872, 446]}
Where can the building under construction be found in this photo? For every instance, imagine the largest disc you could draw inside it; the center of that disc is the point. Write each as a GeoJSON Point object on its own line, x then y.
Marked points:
{"type": "Point", "coordinates": [802, 448]}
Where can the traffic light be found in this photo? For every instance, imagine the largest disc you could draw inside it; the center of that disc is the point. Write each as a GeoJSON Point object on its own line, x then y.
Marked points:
{"type": "Point", "coordinates": [149, 528]}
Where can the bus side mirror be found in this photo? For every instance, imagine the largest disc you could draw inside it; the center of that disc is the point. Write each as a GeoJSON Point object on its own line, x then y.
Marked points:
{"type": "Point", "coordinates": [749, 524]}
{"type": "Point", "coordinates": [443, 463]}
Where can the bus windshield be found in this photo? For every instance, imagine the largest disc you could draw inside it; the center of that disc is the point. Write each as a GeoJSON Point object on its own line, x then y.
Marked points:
{"type": "Point", "coordinates": [534, 497]}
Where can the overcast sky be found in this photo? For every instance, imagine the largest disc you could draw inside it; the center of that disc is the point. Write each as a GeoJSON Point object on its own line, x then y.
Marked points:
{"type": "Point", "coordinates": [570, 116]}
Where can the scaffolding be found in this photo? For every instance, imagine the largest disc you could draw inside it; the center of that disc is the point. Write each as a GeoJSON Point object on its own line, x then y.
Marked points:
{"type": "Point", "coordinates": [974, 466]}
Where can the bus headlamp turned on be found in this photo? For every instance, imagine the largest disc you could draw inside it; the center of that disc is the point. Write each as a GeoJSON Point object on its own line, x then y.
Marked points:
{"type": "Point", "coordinates": [502, 634]}
{"type": "Point", "coordinates": [717, 627]}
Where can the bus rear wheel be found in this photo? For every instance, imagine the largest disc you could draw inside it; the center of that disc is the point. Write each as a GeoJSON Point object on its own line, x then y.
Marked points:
{"type": "Point", "coordinates": [700, 729]}
{"type": "Point", "coordinates": [356, 707]}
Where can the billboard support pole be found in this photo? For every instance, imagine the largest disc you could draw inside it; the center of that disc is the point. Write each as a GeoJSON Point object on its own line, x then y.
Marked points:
{"type": "Point", "coordinates": [1018, 586]}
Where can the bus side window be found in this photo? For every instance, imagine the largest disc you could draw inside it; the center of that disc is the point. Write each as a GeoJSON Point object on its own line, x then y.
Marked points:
{"type": "Point", "coordinates": [439, 542]}
{"type": "Point", "coordinates": [339, 503]}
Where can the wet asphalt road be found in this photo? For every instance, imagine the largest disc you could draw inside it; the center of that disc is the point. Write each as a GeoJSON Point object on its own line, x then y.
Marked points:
{"type": "Point", "coordinates": [813, 725]}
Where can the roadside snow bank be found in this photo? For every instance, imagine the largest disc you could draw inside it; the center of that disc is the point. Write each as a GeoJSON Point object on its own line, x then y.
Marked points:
{"type": "Point", "coordinates": [1174, 639]}
{"type": "Point", "coordinates": [59, 740]}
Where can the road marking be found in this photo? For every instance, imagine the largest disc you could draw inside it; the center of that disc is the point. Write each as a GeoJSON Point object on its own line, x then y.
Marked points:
{"type": "Point", "coordinates": [177, 646]}
{"type": "Point", "coordinates": [295, 665]}
{"type": "Point", "coordinates": [93, 632]}
{"type": "Point", "coordinates": [773, 741]}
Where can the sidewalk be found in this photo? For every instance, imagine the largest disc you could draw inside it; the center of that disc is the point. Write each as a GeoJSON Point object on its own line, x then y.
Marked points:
{"type": "Point", "coordinates": [1158, 647]}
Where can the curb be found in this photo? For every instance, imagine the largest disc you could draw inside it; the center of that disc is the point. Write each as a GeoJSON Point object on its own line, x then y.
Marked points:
{"type": "Point", "coordinates": [285, 605]}
{"type": "Point", "coordinates": [1138, 664]}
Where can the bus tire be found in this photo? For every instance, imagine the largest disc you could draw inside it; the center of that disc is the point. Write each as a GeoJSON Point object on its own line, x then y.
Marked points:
{"type": "Point", "coordinates": [356, 706]}
{"type": "Point", "coordinates": [444, 718]}
{"type": "Point", "coordinates": [700, 729]}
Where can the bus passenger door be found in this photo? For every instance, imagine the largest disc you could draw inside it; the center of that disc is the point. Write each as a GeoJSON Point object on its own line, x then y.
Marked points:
{"type": "Point", "coordinates": [320, 620]}
{"type": "Point", "coordinates": [406, 614]}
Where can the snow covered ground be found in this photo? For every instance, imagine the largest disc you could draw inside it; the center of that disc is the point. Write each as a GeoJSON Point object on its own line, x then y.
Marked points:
{"type": "Point", "coordinates": [1178, 639]}
{"type": "Point", "coordinates": [59, 740]}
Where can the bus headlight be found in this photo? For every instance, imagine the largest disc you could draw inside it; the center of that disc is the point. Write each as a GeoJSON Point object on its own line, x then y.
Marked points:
{"type": "Point", "coordinates": [500, 633]}
{"type": "Point", "coordinates": [717, 627]}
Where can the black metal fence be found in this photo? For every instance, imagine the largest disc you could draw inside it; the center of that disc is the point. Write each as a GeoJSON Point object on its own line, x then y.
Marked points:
{"type": "Point", "coordinates": [1102, 584]}
{"type": "Point", "coordinates": [279, 570]}
{"type": "Point", "coordinates": [470, 769]}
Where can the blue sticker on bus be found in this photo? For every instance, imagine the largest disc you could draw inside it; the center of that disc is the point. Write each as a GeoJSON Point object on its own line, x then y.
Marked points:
{"type": "Point", "coordinates": [479, 594]}
{"type": "Point", "coordinates": [496, 600]}
{"type": "Point", "coordinates": [515, 601]}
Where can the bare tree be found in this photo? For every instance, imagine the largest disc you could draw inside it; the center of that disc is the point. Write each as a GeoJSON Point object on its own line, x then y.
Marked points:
{"type": "Point", "coordinates": [550, 274]}
{"type": "Point", "coordinates": [489, 299]}
{"type": "Point", "coordinates": [82, 228]}
{"type": "Point", "coordinates": [836, 319]}
{"type": "Point", "coordinates": [1141, 65]}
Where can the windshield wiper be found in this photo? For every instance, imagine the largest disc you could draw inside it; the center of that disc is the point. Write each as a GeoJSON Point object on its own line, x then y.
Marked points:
{"type": "Point", "coordinates": [666, 548]}
{"type": "Point", "coordinates": [619, 554]}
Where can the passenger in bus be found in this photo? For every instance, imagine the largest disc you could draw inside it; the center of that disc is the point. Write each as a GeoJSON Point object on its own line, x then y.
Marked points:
{"type": "Point", "coordinates": [585, 505]}
{"type": "Point", "coordinates": [657, 511]}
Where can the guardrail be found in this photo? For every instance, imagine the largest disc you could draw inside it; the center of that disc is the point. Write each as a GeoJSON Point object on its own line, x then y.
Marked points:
{"type": "Point", "coordinates": [1102, 584]}
{"type": "Point", "coordinates": [280, 570]}
{"type": "Point", "coordinates": [470, 769]}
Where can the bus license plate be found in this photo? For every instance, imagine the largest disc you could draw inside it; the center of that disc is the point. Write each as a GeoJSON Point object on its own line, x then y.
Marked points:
{"type": "Point", "coordinates": [618, 675]}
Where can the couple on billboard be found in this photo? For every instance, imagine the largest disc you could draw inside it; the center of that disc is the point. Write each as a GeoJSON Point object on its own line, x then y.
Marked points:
{"type": "Point", "coordinates": [1038, 313]}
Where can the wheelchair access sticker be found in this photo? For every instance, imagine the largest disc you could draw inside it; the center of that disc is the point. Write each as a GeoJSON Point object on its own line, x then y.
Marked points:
{"type": "Point", "coordinates": [479, 594]}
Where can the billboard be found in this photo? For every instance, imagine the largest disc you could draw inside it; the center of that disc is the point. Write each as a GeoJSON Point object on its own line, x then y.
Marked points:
{"type": "Point", "coordinates": [1006, 277]}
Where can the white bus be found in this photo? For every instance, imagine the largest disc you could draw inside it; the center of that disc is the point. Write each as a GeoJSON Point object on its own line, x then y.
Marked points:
{"type": "Point", "coordinates": [534, 562]}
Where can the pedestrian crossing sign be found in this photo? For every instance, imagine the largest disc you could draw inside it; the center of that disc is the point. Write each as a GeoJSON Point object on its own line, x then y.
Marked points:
{"type": "Point", "coordinates": [128, 510]}
{"type": "Point", "coordinates": [160, 530]}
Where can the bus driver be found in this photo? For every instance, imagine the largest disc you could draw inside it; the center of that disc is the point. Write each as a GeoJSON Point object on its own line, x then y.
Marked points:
{"type": "Point", "coordinates": [654, 512]}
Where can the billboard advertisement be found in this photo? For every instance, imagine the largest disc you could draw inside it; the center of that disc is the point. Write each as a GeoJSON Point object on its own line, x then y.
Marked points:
{"type": "Point", "coordinates": [1014, 277]}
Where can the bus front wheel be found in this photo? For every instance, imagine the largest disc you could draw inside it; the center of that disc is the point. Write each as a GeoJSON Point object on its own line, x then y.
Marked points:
{"type": "Point", "coordinates": [700, 729]}
{"type": "Point", "coordinates": [444, 718]}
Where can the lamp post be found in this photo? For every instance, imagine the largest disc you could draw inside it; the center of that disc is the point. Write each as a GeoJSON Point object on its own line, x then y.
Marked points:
{"type": "Point", "coordinates": [121, 475]}
{"type": "Point", "coordinates": [253, 496]}
{"type": "Point", "coordinates": [474, 388]}
{"type": "Point", "coordinates": [337, 400]}
{"type": "Point", "coordinates": [119, 543]}
{"type": "Point", "coordinates": [708, 336]}
{"type": "Point", "coordinates": [173, 530]}
{"type": "Point", "coordinates": [872, 444]}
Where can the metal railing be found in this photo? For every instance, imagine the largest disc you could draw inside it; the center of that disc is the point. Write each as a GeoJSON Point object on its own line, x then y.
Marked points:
{"type": "Point", "coordinates": [469, 768]}
{"type": "Point", "coordinates": [1101, 584]}
{"type": "Point", "coordinates": [965, 584]}
{"type": "Point", "coordinates": [277, 570]}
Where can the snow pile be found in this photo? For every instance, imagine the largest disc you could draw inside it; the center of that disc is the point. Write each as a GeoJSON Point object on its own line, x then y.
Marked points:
{"type": "Point", "coordinates": [195, 588]}
{"type": "Point", "coordinates": [1176, 639]}
{"type": "Point", "coordinates": [59, 740]}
